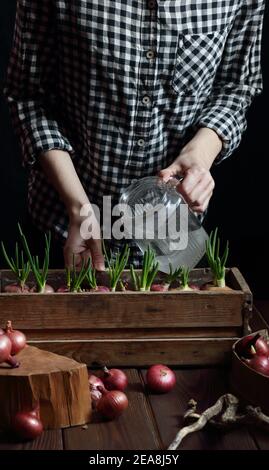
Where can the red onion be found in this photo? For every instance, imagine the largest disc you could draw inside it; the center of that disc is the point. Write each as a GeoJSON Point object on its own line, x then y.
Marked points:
{"type": "Point", "coordinates": [96, 388]}
{"type": "Point", "coordinates": [112, 404]}
{"type": "Point", "coordinates": [160, 379]}
{"type": "Point", "coordinates": [5, 352]}
{"type": "Point", "coordinates": [194, 286]}
{"type": "Point", "coordinates": [251, 345]}
{"type": "Point", "coordinates": [159, 287]}
{"type": "Point", "coordinates": [259, 364]}
{"type": "Point", "coordinates": [63, 290]}
{"type": "Point", "coordinates": [100, 289]}
{"type": "Point", "coordinates": [27, 425]}
{"type": "Point", "coordinates": [17, 338]}
{"type": "Point", "coordinates": [115, 379]}
{"type": "Point", "coordinates": [261, 347]}
{"type": "Point", "coordinates": [16, 289]}
{"type": "Point", "coordinates": [47, 290]}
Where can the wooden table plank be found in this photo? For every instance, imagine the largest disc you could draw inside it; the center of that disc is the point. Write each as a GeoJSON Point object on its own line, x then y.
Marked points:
{"type": "Point", "coordinates": [49, 440]}
{"type": "Point", "coordinates": [205, 386]}
{"type": "Point", "coordinates": [134, 430]}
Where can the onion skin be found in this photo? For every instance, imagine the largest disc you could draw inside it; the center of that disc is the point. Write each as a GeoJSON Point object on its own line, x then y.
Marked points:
{"type": "Point", "coordinates": [63, 290]}
{"type": "Point", "coordinates": [101, 289]}
{"type": "Point", "coordinates": [194, 287]}
{"type": "Point", "coordinates": [96, 388]}
{"type": "Point", "coordinates": [160, 379]}
{"type": "Point", "coordinates": [159, 288]}
{"type": "Point", "coordinates": [115, 379]}
{"type": "Point", "coordinates": [16, 289]}
{"type": "Point", "coordinates": [47, 290]}
{"type": "Point", "coordinates": [261, 347]}
{"type": "Point", "coordinates": [251, 345]}
{"type": "Point", "coordinates": [17, 338]}
{"type": "Point", "coordinates": [259, 364]}
{"type": "Point", "coordinates": [27, 426]}
{"type": "Point", "coordinates": [112, 404]}
{"type": "Point", "coordinates": [5, 352]}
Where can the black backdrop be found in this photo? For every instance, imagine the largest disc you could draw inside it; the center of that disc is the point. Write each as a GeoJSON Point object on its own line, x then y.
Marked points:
{"type": "Point", "coordinates": [240, 204]}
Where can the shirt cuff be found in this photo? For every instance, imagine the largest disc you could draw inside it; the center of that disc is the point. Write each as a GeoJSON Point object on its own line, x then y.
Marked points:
{"type": "Point", "coordinates": [41, 139]}
{"type": "Point", "coordinates": [227, 123]}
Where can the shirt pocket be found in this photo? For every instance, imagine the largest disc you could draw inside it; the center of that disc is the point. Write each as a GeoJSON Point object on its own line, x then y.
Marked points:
{"type": "Point", "coordinates": [196, 62]}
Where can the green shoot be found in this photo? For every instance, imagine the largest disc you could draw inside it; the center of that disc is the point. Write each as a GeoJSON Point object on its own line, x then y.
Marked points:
{"type": "Point", "coordinates": [76, 277]}
{"type": "Point", "coordinates": [18, 266]}
{"type": "Point", "coordinates": [91, 276]}
{"type": "Point", "coordinates": [40, 274]}
{"type": "Point", "coordinates": [173, 275]}
{"type": "Point", "coordinates": [116, 266]}
{"type": "Point", "coordinates": [217, 262]}
{"type": "Point", "coordinates": [184, 278]}
{"type": "Point", "coordinates": [143, 282]}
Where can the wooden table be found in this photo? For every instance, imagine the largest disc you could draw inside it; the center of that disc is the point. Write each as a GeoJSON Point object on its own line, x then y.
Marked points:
{"type": "Point", "coordinates": [151, 421]}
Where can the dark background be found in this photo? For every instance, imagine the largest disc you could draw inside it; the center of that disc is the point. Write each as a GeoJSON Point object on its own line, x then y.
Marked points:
{"type": "Point", "coordinates": [240, 204]}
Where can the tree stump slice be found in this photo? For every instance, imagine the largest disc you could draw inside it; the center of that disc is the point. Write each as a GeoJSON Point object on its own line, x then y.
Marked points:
{"type": "Point", "coordinates": [58, 384]}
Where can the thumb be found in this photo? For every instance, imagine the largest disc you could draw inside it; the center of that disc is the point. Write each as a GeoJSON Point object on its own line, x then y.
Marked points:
{"type": "Point", "coordinates": [175, 169]}
{"type": "Point", "coordinates": [97, 255]}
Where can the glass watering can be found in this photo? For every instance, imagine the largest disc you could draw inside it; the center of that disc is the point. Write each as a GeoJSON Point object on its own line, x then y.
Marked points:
{"type": "Point", "coordinates": [156, 215]}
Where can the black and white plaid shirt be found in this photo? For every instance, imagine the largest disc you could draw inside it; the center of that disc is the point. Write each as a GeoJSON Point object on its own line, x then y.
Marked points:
{"type": "Point", "coordinates": [123, 84]}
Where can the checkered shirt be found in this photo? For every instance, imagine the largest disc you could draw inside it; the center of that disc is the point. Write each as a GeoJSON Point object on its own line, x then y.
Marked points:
{"type": "Point", "coordinates": [123, 85]}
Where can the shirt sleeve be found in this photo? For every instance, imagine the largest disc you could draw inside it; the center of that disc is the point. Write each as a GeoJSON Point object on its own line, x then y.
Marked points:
{"type": "Point", "coordinates": [29, 83]}
{"type": "Point", "coordinates": [238, 79]}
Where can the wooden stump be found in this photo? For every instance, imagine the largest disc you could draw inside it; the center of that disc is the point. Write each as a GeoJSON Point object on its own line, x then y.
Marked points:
{"type": "Point", "coordinates": [57, 383]}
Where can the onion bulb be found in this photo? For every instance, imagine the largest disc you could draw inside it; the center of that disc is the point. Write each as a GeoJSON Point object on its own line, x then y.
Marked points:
{"type": "Point", "coordinates": [27, 425]}
{"type": "Point", "coordinates": [115, 379]}
{"type": "Point", "coordinates": [17, 338]}
{"type": "Point", "coordinates": [96, 388]}
{"type": "Point", "coordinates": [112, 404]}
{"type": "Point", "coordinates": [259, 364]}
{"type": "Point", "coordinates": [160, 379]}
{"type": "Point", "coordinates": [5, 352]}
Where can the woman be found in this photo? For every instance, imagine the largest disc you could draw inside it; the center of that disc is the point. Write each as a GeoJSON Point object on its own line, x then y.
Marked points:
{"type": "Point", "coordinates": [106, 91]}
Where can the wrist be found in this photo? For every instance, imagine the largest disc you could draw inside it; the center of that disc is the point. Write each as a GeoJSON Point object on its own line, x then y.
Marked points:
{"type": "Point", "coordinates": [74, 210]}
{"type": "Point", "coordinates": [205, 147]}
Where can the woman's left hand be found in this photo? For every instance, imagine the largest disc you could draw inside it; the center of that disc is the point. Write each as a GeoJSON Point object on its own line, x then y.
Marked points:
{"type": "Point", "coordinates": [193, 164]}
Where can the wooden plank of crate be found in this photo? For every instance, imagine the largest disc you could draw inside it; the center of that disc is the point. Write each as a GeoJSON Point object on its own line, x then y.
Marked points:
{"type": "Point", "coordinates": [142, 352]}
{"type": "Point", "coordinates": [134, 430]}
{"type": "Point", "coordinates": [97, 310]}
{"type": "Point", "coordinates": [205, 386]}
{"type": "Point", "coordinates": [139, 333]}
{"type": "Point", "coordinates": [49, 440]}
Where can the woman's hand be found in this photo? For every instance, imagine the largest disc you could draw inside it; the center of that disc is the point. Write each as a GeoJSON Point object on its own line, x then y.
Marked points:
{"type": "Point", "coordinates": [193, 164]}
{"type": "Point", "coordinates": [60, 171]}
{"type": "Point", "coordinates": [80, 249]}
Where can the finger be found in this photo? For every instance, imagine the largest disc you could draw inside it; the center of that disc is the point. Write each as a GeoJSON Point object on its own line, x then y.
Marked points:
{"type": "Point", "coordinates": [192, 177]}
{"type": "Point", "coordinates": [203, 206]}
{"type": "Point", "coordinates": [97, 254]}
{"type": "Point", "coordinates": [201, 191]}
{"type": "Point", "coordinates": [173, 170]}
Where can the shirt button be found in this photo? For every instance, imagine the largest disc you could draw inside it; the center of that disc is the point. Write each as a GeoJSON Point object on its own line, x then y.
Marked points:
{"type": "Point", "coordinates": [150, 54]}
{"type": "Point", "coordinates": [151, 3]}
{"type": "Point", "coordinates": [146, 100]}
{"type": "Point", "coordinates": [141, 143]}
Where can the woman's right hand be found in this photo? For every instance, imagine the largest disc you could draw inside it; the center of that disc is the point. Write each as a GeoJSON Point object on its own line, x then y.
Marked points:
{"type": "Point", "coordinates": [60, 171]}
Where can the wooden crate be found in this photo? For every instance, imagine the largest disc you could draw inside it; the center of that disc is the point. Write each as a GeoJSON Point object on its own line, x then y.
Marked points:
{"type": "Point", "coordinates": [133, 328]}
